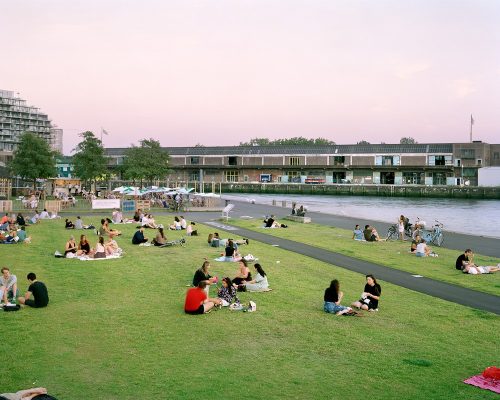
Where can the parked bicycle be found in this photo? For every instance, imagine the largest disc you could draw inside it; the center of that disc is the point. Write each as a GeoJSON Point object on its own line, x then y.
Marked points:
{"type": "Point", "coordinates": [434, 236]}
{"type": "Point", "coordinates": [393, 231]}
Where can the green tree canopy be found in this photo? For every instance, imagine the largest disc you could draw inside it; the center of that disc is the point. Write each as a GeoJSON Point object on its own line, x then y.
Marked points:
{"type": "Point", "coordinates": [294, 141]}
{"type": "Point", "coordinates": [89, 161]}
{"type": "Point", "coordinates": [33, 159]}
{"type": "Point", "coordinates": [407, 140]}
{"type": "Point", "coordinates": [146, 161]}
{"type": "Point", "coordinates": [363, 142]}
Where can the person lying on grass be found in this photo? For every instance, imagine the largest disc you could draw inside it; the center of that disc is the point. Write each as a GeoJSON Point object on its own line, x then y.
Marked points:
{"type": "Point", "coordinates": [258, 284]}
{"type": "Point", "coordinates": [227, 293]}
{"type": "Point", "coordinates": [243, 274]}
{"type": "Point", "coordinates": [333, 296]}
{"type": "Point", "coordinates": [39, 292]}
{"type": "Point", "coordinates": [370, 296]}
{"type": "Point", "coordinates": [197, 301]}
{"type": "Point", "coordinates": [478, 270]}
{"type": "Point", "coordinates": [28, 394]}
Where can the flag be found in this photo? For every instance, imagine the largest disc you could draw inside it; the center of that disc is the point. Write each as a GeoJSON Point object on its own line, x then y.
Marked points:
{"type": "Point", "coordinates": [104, 131]}
{"type": "Point", "coordinates": [471, 120]}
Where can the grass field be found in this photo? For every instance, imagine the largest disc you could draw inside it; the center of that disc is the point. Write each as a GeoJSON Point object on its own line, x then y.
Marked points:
{"type": "Point", "coordinates": [116, 330]}
{"type": "Point", "coordinates": [394, 254]}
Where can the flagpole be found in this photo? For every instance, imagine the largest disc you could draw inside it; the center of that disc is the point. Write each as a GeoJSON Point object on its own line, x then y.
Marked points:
{"type": "Point", "coordinates": [471, 123]}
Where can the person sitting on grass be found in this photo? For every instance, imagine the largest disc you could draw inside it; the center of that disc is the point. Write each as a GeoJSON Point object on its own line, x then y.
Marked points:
{"type": "Point", "coordinates": [160, 238]}
{"type": "Point", "coordinates": [269, 222]}
{"type": "Point", "coordinates": [117, 216]}
{"type": "Point", "coordinates": [258, 284]}
{"type": "Point", "coordinates": [23, 237]}
{"type": "Point", "coordinates": [28, 394]}
{"type": "Point", "coordinates": [84, 247]}
{"type": "Point", "coordinates": [243, 274]}
{"type": "Point", "coordinates": [422, 249]}
{"type": "Point", "coordinates": [44, 214]}
{"type": "Point", "coordinates": [78, 223]}
{"type": "Point", "coordinates": [371, 234]}
{"type": "Point", "coordinates": [183, 222]}
{"type": "Point", "coordinates": [8, 286]}
{"type": "Point", "coordinates": [70, 248]}
{"type": "Point", "coordinates": [478, 270]}
{"type": "Point", "coordinates": [137, 215]}
{"type": "Point", "coordinates": [138, 237]}
{"type": "Point", "coordinates": [20, 220]}
{"type": "Point", "coordinates": [370, 296]}
{"type": "Point", "coordinates": [190, 231]}
{"type": "Point", "coordinates": [465, 259]}
{"type": "Point", "coordinates": [68, 224]}
{"type": "Point", "coordinates": [202, 275]}
{"type": "Point", "coordinates": [197, 301]}
{"type": "Point", "coordinates": [35, 219]}
{"type": "Point", "coordinates": [227, 293]}
{"type": "Point", "coordinates": [357, 233]}
{"type": "Point", "coordinates": [176, 226]}
{"type": "Point", "coordinates": [112, 248]}
{"type": "Point", "coordinates": [105, 230]}
{"type": "Point", "coordinates": [39, 292]}
{"type": "Point", "coordinates": [100, 249]}
{"type": "Point", "coordinates": [414, 243]}
{"type": "Point", "coordinates": [333, 296]}
{"type": "Point", "coordinates": [149, 222]}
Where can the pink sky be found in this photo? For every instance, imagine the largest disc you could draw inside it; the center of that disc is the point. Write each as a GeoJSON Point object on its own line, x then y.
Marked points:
{"type": "Point", "coordinates": [223, 71]}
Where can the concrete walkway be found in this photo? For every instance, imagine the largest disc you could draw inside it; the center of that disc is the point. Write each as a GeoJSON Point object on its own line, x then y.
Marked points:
{"type": "Point", "coordinates": [457, 241]}
{"type": "Point", "coordinates": [445, 291]}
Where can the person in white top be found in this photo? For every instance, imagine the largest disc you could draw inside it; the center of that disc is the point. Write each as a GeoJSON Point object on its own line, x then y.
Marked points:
{"type": "Point", "coordinates": [183, 223]}
{"type": "Point", "coordinates": [44, 214]}
{"type": "Point", "coordinates": [422, 249]}
{"type": "Point", "coordinates": [117, 217]}
{"type": "Point", "coordinates": [259, 283]}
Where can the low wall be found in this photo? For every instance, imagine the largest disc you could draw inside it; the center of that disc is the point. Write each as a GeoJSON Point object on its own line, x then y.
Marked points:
{"type": "Point", "coordinates": [465, 192]}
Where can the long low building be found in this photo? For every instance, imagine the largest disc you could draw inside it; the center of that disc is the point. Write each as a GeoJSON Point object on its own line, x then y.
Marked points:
{"type": "Point", "coordinates": [392, 164]}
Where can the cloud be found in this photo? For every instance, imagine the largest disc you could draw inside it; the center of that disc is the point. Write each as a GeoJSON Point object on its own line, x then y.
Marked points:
{"type": "Point", "coordinates": [410, 70]}
{"type": "Point", "coordinates": [463, 88]}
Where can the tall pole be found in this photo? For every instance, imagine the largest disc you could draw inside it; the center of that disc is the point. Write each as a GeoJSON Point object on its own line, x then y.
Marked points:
{"type": "Point", "coordinates": [471, 123]}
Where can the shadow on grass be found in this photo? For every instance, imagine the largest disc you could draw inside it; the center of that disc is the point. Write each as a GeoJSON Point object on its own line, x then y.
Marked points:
{"type": "Point", "coordinates": [418, 362]}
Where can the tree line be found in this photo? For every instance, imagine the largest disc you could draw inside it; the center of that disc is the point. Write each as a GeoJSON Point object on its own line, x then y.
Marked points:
{"type": "Point", "coordinates": [33, 159]}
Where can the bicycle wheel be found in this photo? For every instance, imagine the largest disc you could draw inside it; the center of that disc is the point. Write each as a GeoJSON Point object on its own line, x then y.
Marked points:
{"type": "Point", "coordinates": [392, 233]}
{"type": "Point", "coordinates": [439, 240]}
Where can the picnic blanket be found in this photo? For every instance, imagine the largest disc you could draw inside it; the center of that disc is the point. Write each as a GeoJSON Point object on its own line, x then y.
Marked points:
{"type": "Point", "coordinates": [86, 258]}
{"type": "Point", "coordinates": [484, 383]}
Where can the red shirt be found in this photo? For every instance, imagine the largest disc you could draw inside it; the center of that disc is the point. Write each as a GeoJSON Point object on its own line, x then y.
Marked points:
{"type": "Point", "coordinates": [194, 298]}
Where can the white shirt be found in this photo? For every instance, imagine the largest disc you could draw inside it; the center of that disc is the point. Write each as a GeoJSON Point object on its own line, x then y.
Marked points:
{"type": "Point", "coordinates": [421, 248]}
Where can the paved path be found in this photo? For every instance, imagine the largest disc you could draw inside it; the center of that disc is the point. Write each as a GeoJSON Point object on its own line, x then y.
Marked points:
{"type": "Point", "coordinates": [445, 291]}
{"type": "Point", "coordinates": [457, 241]}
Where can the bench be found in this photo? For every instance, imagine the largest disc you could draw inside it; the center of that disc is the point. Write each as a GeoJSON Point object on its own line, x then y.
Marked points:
{"type": "Point", "coordinates": [227, 210]}
{"type": "Point", "coordinates": [295, 218]}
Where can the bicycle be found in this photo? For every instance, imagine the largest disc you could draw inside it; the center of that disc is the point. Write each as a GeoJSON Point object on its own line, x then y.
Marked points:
{"type": "Point", "coordinates": [393, 231]}
{"type": "Point", "coordinates": [434, 236]}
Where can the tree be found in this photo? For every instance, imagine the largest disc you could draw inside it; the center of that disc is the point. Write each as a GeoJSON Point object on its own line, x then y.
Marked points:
{"type": "Point", "coordinates": [363, 142]}
{"type": "Point", "coordinates": [89, 161]}
{"type": "Point", "coordinates": [148, 161]}
{"type": "Point", "coordinates": [294, 141]}
{"type": "Point", "coordinates": [407, 140]}
{"type": "Point", "coordinates": [33, 159]}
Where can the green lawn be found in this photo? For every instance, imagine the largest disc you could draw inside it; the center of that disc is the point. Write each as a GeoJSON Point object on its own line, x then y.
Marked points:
{"type": "Point", "coordinates": [116, 330]}
{"type": "Point", "coordinates": [394, 254]}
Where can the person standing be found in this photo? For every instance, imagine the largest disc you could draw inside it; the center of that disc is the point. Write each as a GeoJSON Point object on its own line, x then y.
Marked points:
{"type": "Point", "coordinates": [39, 292]}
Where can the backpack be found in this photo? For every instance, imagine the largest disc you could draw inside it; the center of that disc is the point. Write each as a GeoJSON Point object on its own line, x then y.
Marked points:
{"type": "Point", "coordinates": [11, 307]}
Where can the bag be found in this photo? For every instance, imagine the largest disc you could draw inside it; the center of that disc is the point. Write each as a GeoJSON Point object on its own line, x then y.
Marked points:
{"type": "Point", "coordinates": [236, 307]}
{"type": "Point", "coordinates": [11, 307]}
{"type": "Point", "coordinates": [492, 373]}
{"type": "Point", "coordinates": [252, 307]}
{"type": "Point", "coordinates": [58, 254]}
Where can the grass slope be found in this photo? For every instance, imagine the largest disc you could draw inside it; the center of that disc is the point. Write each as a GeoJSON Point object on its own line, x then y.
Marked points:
{"type": "Point", "coordinates": [116, 330]}
{"type": "Point", "coordinates": [394, 254]}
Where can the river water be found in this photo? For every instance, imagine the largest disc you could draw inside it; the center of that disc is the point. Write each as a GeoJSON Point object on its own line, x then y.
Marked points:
{"type": "Point", "coordinates": [473, 217]}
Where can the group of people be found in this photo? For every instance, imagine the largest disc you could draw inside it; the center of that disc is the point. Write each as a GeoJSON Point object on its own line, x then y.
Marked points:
{"type": "Point", "coordinates": [465, 263]}
{"type": "Point", "coordinates": [420, 248]}
{"type": "Point", "coordinates": [36, 296]}
{"type": "Point", "coordinates": [368, 300]}
{"type": "Point", "coordinates": [13, 229]}
{"type": "Point", "coordinates": [369, 234]}
{"type": "Point", "coordinates": [198, 300]}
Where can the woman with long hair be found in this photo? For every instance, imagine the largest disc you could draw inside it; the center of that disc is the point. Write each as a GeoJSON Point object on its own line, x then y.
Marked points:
{"type": "Point", "coordinates": [83, 246]}
{"type": "Point", "coordinates": [259, 283]}
{"type": "Point", "coordinates": [100, 250]}
{"type": "Point", "coordinates": [202, 275]}
{"type": "Point", "coordinates": [370, 296]}
{"type": "Point", "coordinates": [243, 273]}
{"type": "Point", "coordinates": [333, 297]}
{"type": "Point", "coordinates": [160, 238]}
{"type": "Point", "coordinates": [227, 293]}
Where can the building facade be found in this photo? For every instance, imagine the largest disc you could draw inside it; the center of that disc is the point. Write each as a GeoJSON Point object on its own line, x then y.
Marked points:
{"type": "Point", "coordinates": [391, 164]}
{"type": "Point", "coordinates": [17, 117]}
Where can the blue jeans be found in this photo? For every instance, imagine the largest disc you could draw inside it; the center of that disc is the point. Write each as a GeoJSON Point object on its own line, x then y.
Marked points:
{"type": "Point", "coordinates": [333, 308]}
{"type": "Point", "coordinates": [420, 254]}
